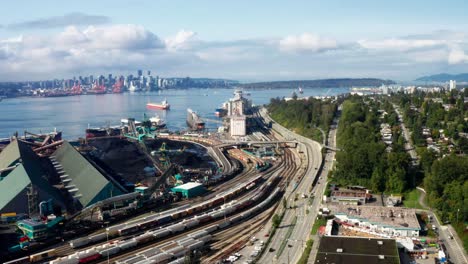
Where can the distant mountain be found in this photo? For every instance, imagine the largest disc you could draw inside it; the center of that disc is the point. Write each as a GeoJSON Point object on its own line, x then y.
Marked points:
{"type": "Point", "coordinates": [444, 77]}
{"type": "Point", "coordinates": [323, 83]}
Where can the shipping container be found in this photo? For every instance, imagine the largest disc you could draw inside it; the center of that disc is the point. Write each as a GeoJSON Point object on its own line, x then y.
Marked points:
{"type": "Point", "coordinates": [161, 233]}
{"type": "Point", "coordinates": [211, 228]}
{"type": "Point", "coordinates": [79, 242]}
{"type": "Point", "coordinates": [205, 239]}
{"type": "Point", "coordinates": [127, 244]}
{"type": "Point", "coordinates": [196, 245]}
{"type": "Point", "coordinates": [98, 237]}
{"type": "Point", "coordinates": [110, 250]}
{"type": "Point", "coordinates": [150, 252]}
{"type": "Point", "coordinates": [176, 228]}
{"type": "Point", "coordinates": [64, 260]}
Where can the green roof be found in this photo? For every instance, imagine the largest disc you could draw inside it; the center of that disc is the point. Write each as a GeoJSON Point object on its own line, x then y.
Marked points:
{"type": "Point", "coordinates": [12, 185]}
{"type": "Point", "coordinates": [29, 171]}
{"type": "Point", "coordinates": [91, 184]}
{"type": "Point", "coordinates": [9, 155]}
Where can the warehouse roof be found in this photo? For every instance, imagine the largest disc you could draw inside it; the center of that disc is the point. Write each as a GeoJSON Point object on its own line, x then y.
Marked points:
{"type": "Point", "coordinates": [12, 185]}
{"type": "Point", "coordinates": [91, 185]}
{"type": "Point", "coordinates": [29, 171]}
{"type": "Point", "coordinates": [337, 249]}
{"type": "Point", "coordinates": [403, 218]}
{"type": "Point", "coordinates": [9, 155]}
{"type": "Point", "coordinates": [188, 186]}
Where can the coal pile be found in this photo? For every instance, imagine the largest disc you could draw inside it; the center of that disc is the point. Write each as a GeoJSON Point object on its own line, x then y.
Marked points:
{"type": "Point", "coordinates": [121, 158]}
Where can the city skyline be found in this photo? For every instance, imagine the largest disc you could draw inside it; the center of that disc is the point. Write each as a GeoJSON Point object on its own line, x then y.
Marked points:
{"type": "Point", "coordinates": [242, 41]}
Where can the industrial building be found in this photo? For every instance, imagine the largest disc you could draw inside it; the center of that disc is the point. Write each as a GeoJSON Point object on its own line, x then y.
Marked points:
{"type": "Point", "coordinates": [24, 180]}
{"type": "Point", "coordinates": [378, 220]}
{"type": "Point", "coordinates": [349, 196]}
{"type": "Point", "coordinates": [354, 250]}
{"type": "Point", "coordinates": [190, 189]}
{"type": "Point", "coordinates": [238, 126]}
{"type": "Point", "coordinates": [81, 179]}
{"type": "Point", "coordinates": [237, 108]}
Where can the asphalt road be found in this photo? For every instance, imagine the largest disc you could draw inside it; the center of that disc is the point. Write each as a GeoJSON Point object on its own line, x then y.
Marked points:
{"type": "Point", "coordinates": [406, 135]}
{"type": "Point", "coordinates": [454, 245]}
{"type": "Point", "coordinates": [300, 232]}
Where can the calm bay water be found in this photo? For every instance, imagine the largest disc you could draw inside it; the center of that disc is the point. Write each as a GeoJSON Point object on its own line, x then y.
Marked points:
{"type": "Point", "coordinates": [74, 114]}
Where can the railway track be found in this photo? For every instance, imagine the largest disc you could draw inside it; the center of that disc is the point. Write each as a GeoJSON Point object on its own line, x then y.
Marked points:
{"type": "Point", "coordinates": [65, 249]}
{"type": "Point", "coordinates": [233, 239]}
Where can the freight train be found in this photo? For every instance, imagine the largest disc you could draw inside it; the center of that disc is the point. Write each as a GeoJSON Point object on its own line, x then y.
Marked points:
{"type": "Point", "coordinates": [164, 218]}
{"type": "Point", "coordinates": [34, 258]}
{"type": "Point", "coordinates": [173, 250]}
{"type": "Point", "coordinates": [153, 221]}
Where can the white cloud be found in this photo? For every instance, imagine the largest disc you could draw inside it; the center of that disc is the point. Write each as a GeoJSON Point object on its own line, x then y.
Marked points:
{"type": "Point", "coordinates": [457, 56]}
{"type": "Point", "coordinates": [181, 40]}
{"type": "Point", "coordinates": [125, 48]}
{"type": "Point", "coordinates": [307, 42]}
{"type": "Point", "coordinates": [401, 44]}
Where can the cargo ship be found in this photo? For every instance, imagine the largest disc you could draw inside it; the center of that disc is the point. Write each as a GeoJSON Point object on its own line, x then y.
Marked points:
{"type": "Point", "coordinates": [220, 112]}
{"type": "Point", "coordinates": [194, 121]}
{"type": "Point", "coordinates": [164, 105]}
{"type": "Point", "coordinates": [157, 122]}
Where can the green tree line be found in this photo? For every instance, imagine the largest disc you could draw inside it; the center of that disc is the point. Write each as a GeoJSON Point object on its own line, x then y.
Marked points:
{"type": "Point", "coordinates": [364, 159]}
{"type": "Point", "coordinates": [304, 116]}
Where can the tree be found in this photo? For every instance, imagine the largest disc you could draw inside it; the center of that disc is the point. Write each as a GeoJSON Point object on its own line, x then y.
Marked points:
{"type": "Point", "coordinates": [276, 221]}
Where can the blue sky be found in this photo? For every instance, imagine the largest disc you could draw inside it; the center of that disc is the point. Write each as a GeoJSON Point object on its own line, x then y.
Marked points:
{"type": "Point", "coordinates": [244, 40]}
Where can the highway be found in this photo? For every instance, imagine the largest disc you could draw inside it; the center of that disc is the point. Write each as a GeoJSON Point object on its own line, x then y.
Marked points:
{"type": "Point", "coordinates": [303, 214]}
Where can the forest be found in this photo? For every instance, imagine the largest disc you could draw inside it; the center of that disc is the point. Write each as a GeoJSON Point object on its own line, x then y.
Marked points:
{"type": "Point", "coordinates": [304, 116]}
{"type": "Point", "coordinates": [364, 159]}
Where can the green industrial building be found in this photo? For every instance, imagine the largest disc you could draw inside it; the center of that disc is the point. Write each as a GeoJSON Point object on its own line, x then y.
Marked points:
{"type": "Point", "coordinates": [190, 189]}
{"type": "Point", "coordinates": [66, 178]}
{"type": "Point", "coordinates": [24, 180]}
{"type": "Point", "coordinates": [36, 230]}
{"type": "Point", "coordinates": [81, 179]}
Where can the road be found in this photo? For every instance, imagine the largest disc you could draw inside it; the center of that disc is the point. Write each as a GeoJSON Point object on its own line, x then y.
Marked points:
{"type": "Point", "coordinates": [456, 252]}
{"type": "Point", "coordinates": [303, 212]}
{"type": "Point", "coordinates": [406, 134]}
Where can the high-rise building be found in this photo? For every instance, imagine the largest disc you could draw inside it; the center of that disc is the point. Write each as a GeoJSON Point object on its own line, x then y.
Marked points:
{"type": "Point", "coordinates": [452, 85]}
{"type": "Point", "coordinates": [140, 73]}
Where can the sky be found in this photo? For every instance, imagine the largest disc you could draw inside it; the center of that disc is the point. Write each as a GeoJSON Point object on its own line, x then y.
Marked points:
{"type": "Point", "coordinates": [241, 40]}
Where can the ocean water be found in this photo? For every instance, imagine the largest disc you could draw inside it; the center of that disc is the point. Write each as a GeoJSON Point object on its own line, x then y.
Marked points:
{"type": "Point", "coordinates": [74, 114]}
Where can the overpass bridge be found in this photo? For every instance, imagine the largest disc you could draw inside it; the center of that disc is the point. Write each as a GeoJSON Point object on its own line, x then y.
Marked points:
{"type": "Point", "coordinates": [231, 143]}
{"type": "Point", "coordinates": [291, 143]}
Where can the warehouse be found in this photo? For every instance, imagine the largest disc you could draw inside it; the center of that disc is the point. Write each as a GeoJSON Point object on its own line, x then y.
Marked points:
{"type": "Point", "coordinates": [23, 181]}
{"type": "Point", "coordinates": [189, 190]}
{"type": "Point", "coordinates": [83, 181]}
{"type": "Point", "coordinates": [353, 250]}
{"type": "Point", "coordinates": [378, 220]}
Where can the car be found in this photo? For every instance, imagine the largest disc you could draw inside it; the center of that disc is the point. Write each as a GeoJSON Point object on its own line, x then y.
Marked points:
{"type": "Point", "coordinates": [271, 250]}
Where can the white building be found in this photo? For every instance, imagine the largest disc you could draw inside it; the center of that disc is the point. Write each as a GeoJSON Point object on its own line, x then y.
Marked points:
{"type": "Point", "coordinates": [377, 220]}
{"type": "Point", "coordinates": [238, 126]}
{"type": "Point", "coordinates": [452, 85]}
